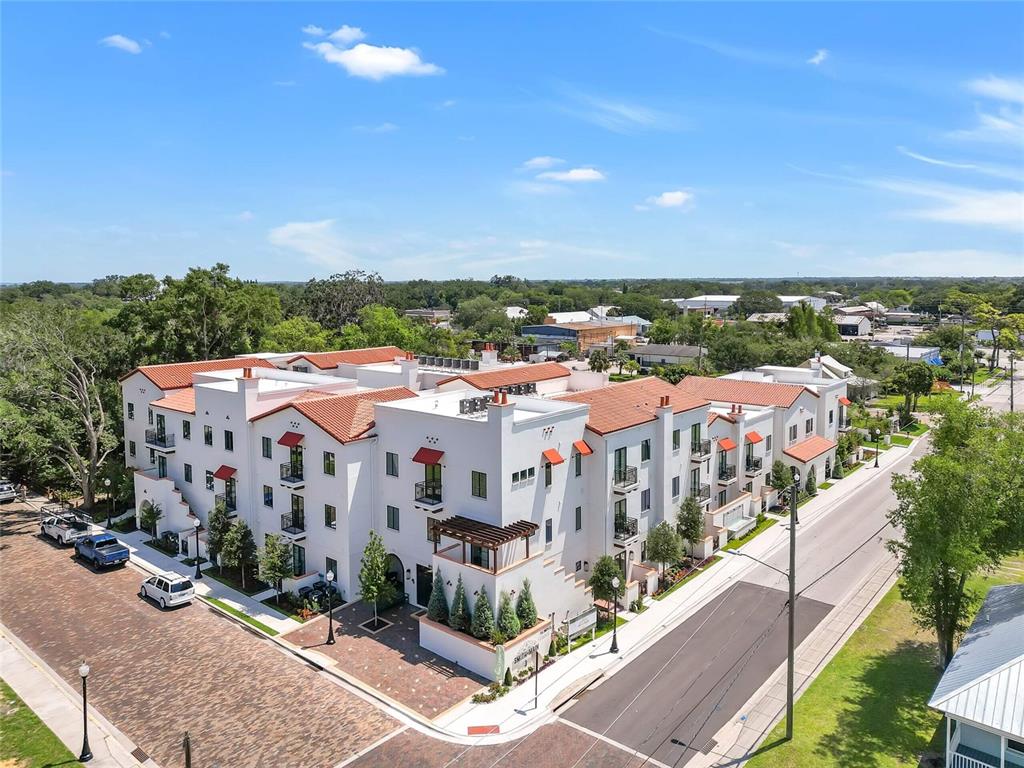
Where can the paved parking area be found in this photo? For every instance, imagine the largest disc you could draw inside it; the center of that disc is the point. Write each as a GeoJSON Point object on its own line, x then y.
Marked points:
{"type": "Point", "coordinates": [392, 661]}
{"type": "Point", "coordinates": [557, 745]}
{"type": "Point", "coordinates": [157, 673]}
{"type": "Point", "coordinates": [698, 675]}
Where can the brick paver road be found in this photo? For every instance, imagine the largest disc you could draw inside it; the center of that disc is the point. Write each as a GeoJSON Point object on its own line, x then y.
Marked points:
{"type": "Point", "coordinates": [157, 673]}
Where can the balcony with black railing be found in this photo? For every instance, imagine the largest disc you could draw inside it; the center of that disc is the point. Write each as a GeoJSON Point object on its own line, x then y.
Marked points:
{"type": "Point", "coordinates": [428, 493]}
{"type": "Point", "coordinates": [626, 528]}
{"type": "Point", "coordinates": [754, 465]}
{"type": "Point", "coordinates": [726, 473]}
{"type": "Point", "coordinates": [624, 478]}
{"type": "Point", "coordinates": [293, 522]}
{"type": "Point", "coordinates": [700, 449]}
{"type": "Point", "coordinates": [229, 502]}
{"type": "Point", "coordinates": [160, 440]}
{"type": "Point", "coordinates": [701, 492]}
{"type": "Point", "coordinates": [845, 425]}
{"type": "Point", "coordinates": [291, 475]}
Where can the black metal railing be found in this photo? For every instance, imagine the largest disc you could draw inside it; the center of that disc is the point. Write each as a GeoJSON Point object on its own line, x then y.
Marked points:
{"type": "Point", "coordinates": [626, 528]}
{"type": "Point", "coordinates": [624, 477]}
{"type": "Point", "coordinates": [845, 424]}
{"type": "Point", "coordinates": [293, 522]}
{"type": "Point", "coordinates": [701, 492]}
{"type": "Point", "coordinates": [291, 472]}
{"type": "Point", "coordinates": [230, 502]}
{"type": "Point", "coordinates": [700, 448]}
{"type": "Point", "coordinates": [727, 472]}
{"type": "Point", "coordinates": [159, 439]}
{"type": "Point", "coordinates": [754, 464]}
{"type": "Point", "coordinates": [428, 492]}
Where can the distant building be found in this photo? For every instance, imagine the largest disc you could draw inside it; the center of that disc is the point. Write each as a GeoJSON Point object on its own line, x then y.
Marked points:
{"type": "Point", "coordinates": [767, 317]}
{"type": "Point", "coordinates": [516, 313]}
{"type": "Point", "coordinates": [853, 325]}
{"type": "Point", "coordinates": [719, 304]}
{"type": "Point", "coordinates": [896, 317]}
{"type": "Point", "coordinates": [558, 318]}
{"type": "Point", "coordinates": [912, 354]}
{"type": "Point", "coordinates": [650, 355]}
{"type": "Point", "coordinates": [981, 693]}
{"type": "Point", "coordinates": [583, 334]}
{"type": "Point", "coordinates": [601, 311]}
{"type": "Point", "coordinates": [642, 324]}
{"type": "Point", "coordinates": [432, 316]}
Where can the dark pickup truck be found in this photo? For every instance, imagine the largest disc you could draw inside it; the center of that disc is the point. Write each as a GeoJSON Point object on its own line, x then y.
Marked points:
{"type": "Point", "coordinates": [101, 550]}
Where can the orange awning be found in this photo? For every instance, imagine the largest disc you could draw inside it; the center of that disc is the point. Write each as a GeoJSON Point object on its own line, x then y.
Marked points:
{"type": "Point", "coordinates": [725, 444]}
{"type": "Point", "coordinates": [583, 448]}
{"type": "Point", "coordinates": [290, 439]}
{"type": "Point", "coordinates": [552, 456]}
{"type": "Point", "coordinates": [845, 401]}
{"type": "Point", "coordinates": [224, 472]}
{"type": "Point", "coordinates": [428, 456]}
{"type": "Point", "coordinates": [754, 437]}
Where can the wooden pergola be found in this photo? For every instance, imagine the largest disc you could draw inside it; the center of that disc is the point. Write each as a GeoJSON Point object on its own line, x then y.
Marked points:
{"type": "Point", "coordinates": [484, 535]}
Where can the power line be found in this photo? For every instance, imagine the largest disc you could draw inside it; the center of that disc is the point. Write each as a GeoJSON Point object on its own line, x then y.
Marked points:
{"type": "Point", "coordinates": [850, 554]}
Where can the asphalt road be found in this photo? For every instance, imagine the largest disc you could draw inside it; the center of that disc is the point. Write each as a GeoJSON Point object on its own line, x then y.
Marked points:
{"type": "Point", "coordinates": [671, 700]}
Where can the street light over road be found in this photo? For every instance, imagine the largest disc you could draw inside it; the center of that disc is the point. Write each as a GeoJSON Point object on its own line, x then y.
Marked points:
{"type": "Point", "coordinates": [330, 608]}
{"type": "Point", "coordinates": [615, 615]}
{"type": "Point", "coordinates": [197, 524]}
{"type": "Point", "coordinates": [86, 755]}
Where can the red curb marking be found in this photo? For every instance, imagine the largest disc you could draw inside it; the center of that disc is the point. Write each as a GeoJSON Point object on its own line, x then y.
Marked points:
{"type": "Point", "coordinates": [479, 730]}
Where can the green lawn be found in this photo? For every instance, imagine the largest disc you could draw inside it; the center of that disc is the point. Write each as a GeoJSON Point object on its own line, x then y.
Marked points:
{"type": "Point", "coordinates": [868, 707]}
{"type": "Point", "coordinates": [850, 470]}
{"type": "Point", "coordinates": [825, 486]}
{"type": "Point", "coordinates": [604, 626]}
{"type": "Point", "coordinates": [680, 583]}
{"type": "Point", "coordinates": [901, 440]}
{"type": "Point", "coordinates": [926, 404]}
{"type": "Point", "coordinates": [916, 430]}
{"type": "Point", "coordinates": [230, 578]}
{"type": "Point", "coordinates": [243, 616]}
{"type": "Point", "coordinates": [26, 741]}
{"type": "Point", "coordinates": [764, 525]}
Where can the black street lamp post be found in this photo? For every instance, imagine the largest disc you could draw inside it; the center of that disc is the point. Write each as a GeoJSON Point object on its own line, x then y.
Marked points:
{"type": "Point", "coordinates": [330, 608]}
{"type": "Point", "coordinates": [615, 615]}
{"type": "Point", "coordinates": [878, 434]}
{"type": "Point", "coordinates": [86, 755]}
{"type": "Point", "coordinates": [197, 524]}
{"type": "Point", "coordinates": [792, 605]}
{"type": "Point", "coordinates": [186, 744]}
{"type": "Point", "coordinates": [110, 510]}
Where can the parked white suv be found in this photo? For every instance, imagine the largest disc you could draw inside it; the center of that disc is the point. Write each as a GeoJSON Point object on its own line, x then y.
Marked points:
{"type": "Point", "coordinates": [8, 491]}
{"type": "Point", "coordinates": [168, 589]}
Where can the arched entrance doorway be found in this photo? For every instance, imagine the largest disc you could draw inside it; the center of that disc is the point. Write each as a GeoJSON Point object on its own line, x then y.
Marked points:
{"type": "Point", "coordinates": [396, 573]}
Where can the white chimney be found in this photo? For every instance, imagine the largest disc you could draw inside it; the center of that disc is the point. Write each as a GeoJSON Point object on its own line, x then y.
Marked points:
{"type": "Point", "coordinates": [488, 356]}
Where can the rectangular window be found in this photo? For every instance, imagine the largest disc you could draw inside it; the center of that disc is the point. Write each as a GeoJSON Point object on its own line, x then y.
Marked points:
{"type": "Point", "coordinates": [515, 478]}
{"type": "Point", "coordinates": [392, 518]}
{"type": "Point", "coordinates": [645, 450]}
{"type": "Point", "coordinates": [694, 479]}
{"type": "Point", "coordinates": [721, 498]}
{"type": "Point", "coordinates": [300, 368]}
{"type": "Point", "coordinates": [432, 534]}
{"type": "Point", "coordinates": [579, 463]}
{"type": "Point", "coordinates": [208, 434]}
{"type": "Point", "coordinates": [548, 531]}
{"type": "Point", "coordinates": [331, 567]}
{"type": "Point", "coordinates": [579, 520]}
{"type": "Point", "coordinates": [131, 448]}
{"type": "Point", "coordinates": [675, 486]}
{"type": "Point", "coordinates": [479, 556]}
{"type": "Point", "coordinates": [831, 418]}
{"type": "Point", "coordinates": [328, 463]}
{"type": "Point", "coordinates": [298, 560]}
{"type": "Point", "coordinates": [187, 469]}
{"type": "Point", "coordinates": [547, 474]}
{"type": "Point", "coordinates": [694, 437]}
{"type": "Point", "coordinates": [768, 445]}
{"type": "Point", "coordinates": [229, 440]}
{"type": "Point", "coordinates": [149, 416]}
{"type": "Point", "coordinates": [392, 464]}
{"type": "Point", "coordinates": [131, 411]}
{"type": "Point", "coordinates": [209, 480]}
{"type": "Point", "coordinates": [792, 433]}
{"type": "Point", "coordinates": [675, 439]}
{"type": "Point", "coordinates": [330, 516]}
{"type": "Point", "coordinates": [267, 447]}
{"type": "Point", "coordinates": [161, 466]}
{"type": "Point", "coordinates": [478, 481]}
{"type": "Point", "coordinates": [186, 429]}
{"type": "Point", "coordinates": [531, 473]}
{"type": "Point", "coordinates": [808, 426]}
{"type": "Point", "coordinates": [268, 496]}
{"type": "Point", "coordinates": [645, 499]}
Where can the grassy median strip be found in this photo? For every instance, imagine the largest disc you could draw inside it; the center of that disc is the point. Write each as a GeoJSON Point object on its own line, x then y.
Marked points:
{"type": "Point", "coordinates": [243, 616]}
{"type": "Point", "coordinates": [27, 742]}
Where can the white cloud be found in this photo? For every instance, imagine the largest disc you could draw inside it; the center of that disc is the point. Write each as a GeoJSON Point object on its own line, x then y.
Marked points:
{"type": "Point", "coordinates": [346, 35]}
{"type": "Point", "coordinates": [998, 88]}
{"type": "Point", "coordinates": [375, 62]}
{"type": "Point", "coordinates": [164, 34]}
{"type": "Point", "coordinates": [1001, 209]}
{"type": "Point", "coordinates": [573, 175]}
{"type": "Point", "coordinates": [934, 160]}
{"type": "Point", "coordinates": [121, 43]}
{"type": "Point", "coordinates": [448, 103]}
{"type": "Point", "coordinates": [315, 240]}
{"type": "Point", "coordinates": [314, 30]}
{"type": "Point", "coordinates": [967, 262]}
{"type": "Point", "coordinates": [1006, 125]}
{"type": "Point", "coordinates": [615, 115]}
{"type": "Point", "coordinates": [246, 216]}
{"type": "Point", "coordinates": [379, 128]}
{"type": "Point", "coordinates": [1002, 172]}
{"type": "Point", "coordinates": [542, 161]}
{"type": "Point", "coordinates": [677, 198]}
{"type": "Point", "coordinates": [819, 57]}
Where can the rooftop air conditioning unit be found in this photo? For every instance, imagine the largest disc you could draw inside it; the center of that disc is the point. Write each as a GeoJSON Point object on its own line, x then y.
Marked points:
{"type": "Point", "coordinates": [474, 365]}
{"type": "Point", "coordinates": [463, 406]}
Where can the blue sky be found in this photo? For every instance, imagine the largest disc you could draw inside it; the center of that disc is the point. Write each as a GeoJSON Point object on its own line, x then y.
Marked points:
{"type": "Point", "coordinates": [544, 140]}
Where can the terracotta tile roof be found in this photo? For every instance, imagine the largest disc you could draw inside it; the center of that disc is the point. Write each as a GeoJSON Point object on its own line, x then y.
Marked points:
{"type": "Point", "coordinates": [713, 417]}
{"type": "Point", "coordinates": [620, 406]}
{"type": "Point", "coordinates": [552, 456]}
{"type": "Point", "coordinates": [809, 449]}
{"type": "Point", "coordinates": [754, 436]}
{"type": "Point", "coordinates": [178, 375]}
{"type": "Point", "coordinates": [183, 400]}
{"type": "Point", "coordinates": [368, 356]}
{"type": "Point", "coordinates": [746, 392]}
{"type": "Point", "coordinates": [516, 374]}
{"type": "Point", "coordinates": [345, 416]}
{"type": "Point", "coordinates": [726, 444]}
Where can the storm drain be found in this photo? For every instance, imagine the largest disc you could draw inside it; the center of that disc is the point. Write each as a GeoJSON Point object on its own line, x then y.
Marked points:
{"type": "Point", "coordinates": [709, 746]}
{"type": "Point", "coordinates": [139, 755]}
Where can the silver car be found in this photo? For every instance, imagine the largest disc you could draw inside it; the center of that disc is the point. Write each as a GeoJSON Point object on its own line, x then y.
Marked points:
{"type": "Point", "coordinates": [168, 589]}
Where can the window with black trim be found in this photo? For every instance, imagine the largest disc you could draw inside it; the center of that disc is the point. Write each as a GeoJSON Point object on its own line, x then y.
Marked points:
{"type": "Point", "coordinates": [645, 449]}
{"type": "Point", "coordinates": [186, 429]}
{"type": "Point", "coordinates": [478, 484]}
{"type": "Point", "coordinates": [208, 434]}
{"type": "Point", "coordinates": [267, 447]}
{"type": "Point", "coordinates": [392, 518]}
{"type": "Point", "coordinates": [187, 469]}
{"type": "Point", "coordinates": [328, 463]}
{"type": "Point", "coordinates": [268, 496]}
{"type": "Point", "coordinates": [391, 464]}
{"type": "Point", "coordinates": [330, 516]}
{"type": "Point", "coordinates": [229, 440]}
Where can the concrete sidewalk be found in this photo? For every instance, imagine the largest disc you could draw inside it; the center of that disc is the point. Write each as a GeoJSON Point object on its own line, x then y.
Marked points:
{"type": "Point", "coordinates": [60, 707]}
